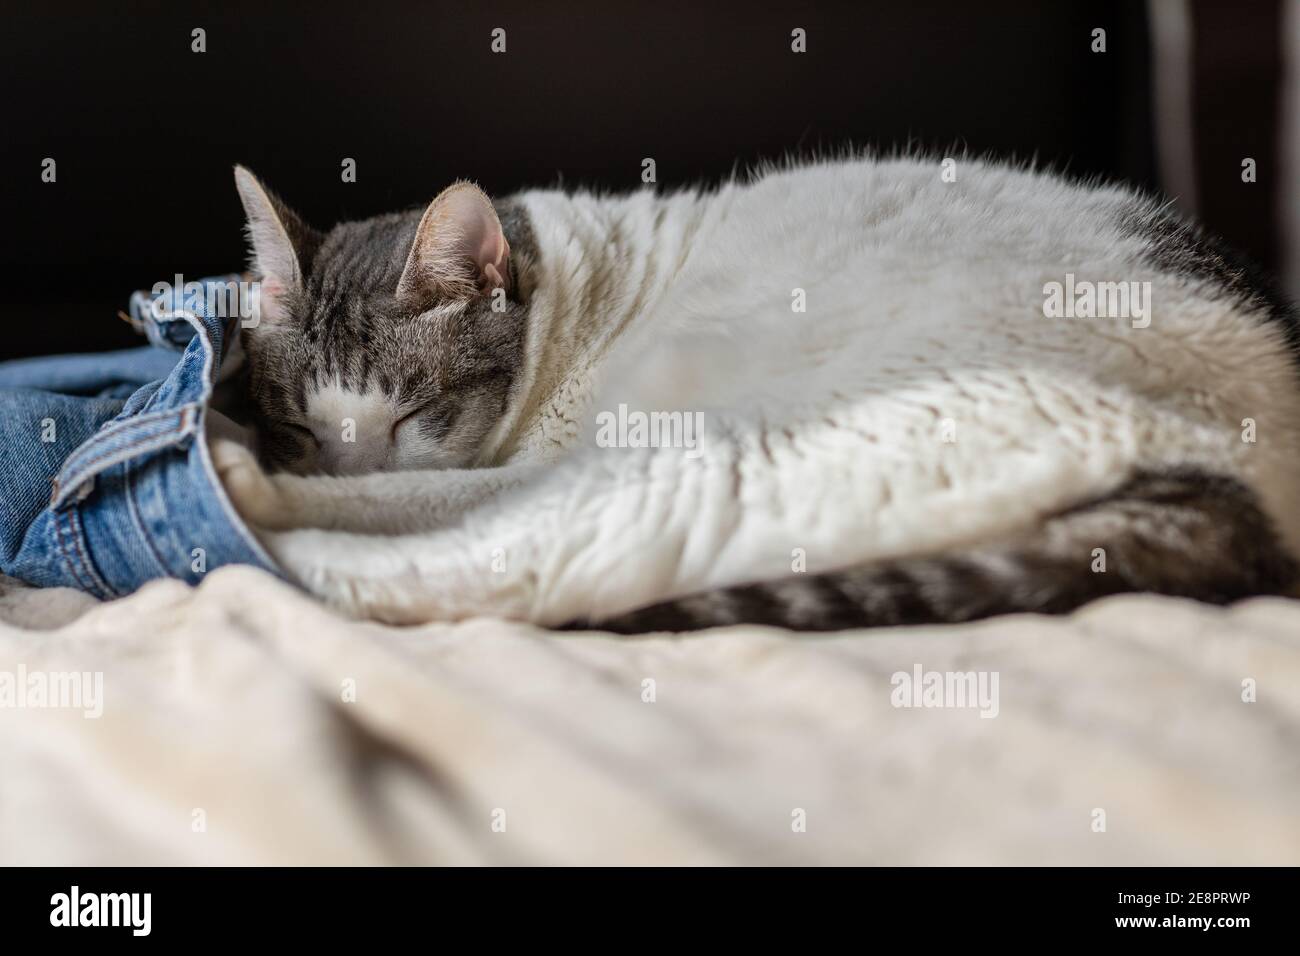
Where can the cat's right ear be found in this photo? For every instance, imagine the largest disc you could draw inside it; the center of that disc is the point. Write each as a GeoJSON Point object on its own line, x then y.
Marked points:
{"type": "Point", "coordinates": [280, 243]}
{"type": "Point", "coordinates": [459, 249]}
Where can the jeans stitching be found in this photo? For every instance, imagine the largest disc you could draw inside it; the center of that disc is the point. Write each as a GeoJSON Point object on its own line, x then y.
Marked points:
{"type": "Point", "coordinates": [129, 493]}
{"type": "Point", "coordinates": [135, 422]}
{"type": "Point", "coordinates": [73, 566]}
{"type": "Point", "coordinates": [98, 586]}
{"type": "Point", "coordinates": [78, 539]}
{"type": "Point", "coordinates": [77, 475]}
{"type": "Point", "coordinates": [178, 429]}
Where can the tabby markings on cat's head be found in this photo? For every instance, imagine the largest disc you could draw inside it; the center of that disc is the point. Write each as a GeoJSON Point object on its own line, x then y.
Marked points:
{"type": "Point", "coordinates": [377, 347]}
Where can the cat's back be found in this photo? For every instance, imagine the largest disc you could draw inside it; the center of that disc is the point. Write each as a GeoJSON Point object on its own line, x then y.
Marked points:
{"type": "Point", "coordinates": [1020, 308]}
{"type": "Point", "coordinates": [940, 211]}
{"type": "Point", "coordinates": [923, 261]}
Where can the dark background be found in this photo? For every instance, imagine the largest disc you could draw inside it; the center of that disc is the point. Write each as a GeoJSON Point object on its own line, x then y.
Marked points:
{"type": "Point", "coordinates": [144, 131]}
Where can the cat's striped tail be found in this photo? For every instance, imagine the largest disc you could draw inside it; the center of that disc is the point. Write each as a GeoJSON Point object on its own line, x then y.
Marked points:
{"type": "Point", "coordinates": [1179, 532]}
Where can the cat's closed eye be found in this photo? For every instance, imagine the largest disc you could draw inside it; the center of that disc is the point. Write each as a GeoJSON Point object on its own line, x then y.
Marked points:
{"type": "Point", "coordinates": [431, 421]}
{"type": "Point", "coordinates": [301, 430]}
{"type": "Point", "coordinates": [411, 418]}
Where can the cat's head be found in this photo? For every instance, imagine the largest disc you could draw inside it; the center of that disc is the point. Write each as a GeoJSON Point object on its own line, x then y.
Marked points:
{"type": "Point", "coordinates": [386, 344]}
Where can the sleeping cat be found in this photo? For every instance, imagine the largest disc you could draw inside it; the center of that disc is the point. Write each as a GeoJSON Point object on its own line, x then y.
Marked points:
{"type": "Point", "coordinates": [917, 400]}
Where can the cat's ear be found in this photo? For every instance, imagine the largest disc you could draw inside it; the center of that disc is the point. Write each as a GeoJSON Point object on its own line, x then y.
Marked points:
{"type": "Point", "coordinates": [280, 241]}
{"type": "Point", "coordinates": [459, 249]}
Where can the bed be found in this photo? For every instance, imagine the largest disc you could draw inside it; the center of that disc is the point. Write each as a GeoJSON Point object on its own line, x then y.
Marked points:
{"type": "Point", "coordinates": [243, 723]}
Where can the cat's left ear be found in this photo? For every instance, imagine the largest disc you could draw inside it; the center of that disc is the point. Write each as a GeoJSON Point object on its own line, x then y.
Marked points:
{"type": "Point", "coordinates": [459, 249]}
{"type": "Point", "coordinates": [281, 243]}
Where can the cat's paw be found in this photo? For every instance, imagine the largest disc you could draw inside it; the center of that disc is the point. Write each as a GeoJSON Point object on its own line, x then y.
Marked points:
{"type": "Point", "coordinates": [252, 491]}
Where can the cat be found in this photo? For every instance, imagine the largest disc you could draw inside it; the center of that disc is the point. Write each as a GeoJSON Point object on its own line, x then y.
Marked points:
{"type": "Point", "coordinates": [899, 424]}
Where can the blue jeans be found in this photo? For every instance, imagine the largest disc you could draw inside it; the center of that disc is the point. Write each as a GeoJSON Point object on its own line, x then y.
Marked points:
{"type": "Point", "coordinates": [105, 477]}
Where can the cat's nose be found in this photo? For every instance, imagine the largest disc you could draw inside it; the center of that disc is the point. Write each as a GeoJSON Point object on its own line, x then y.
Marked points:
{"type": "Point", "coordinates": [355, 457]}
{"type": "Point", "coordinates": [350, 464]}
{"type": "Point", "coordinates": [354, 431]}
